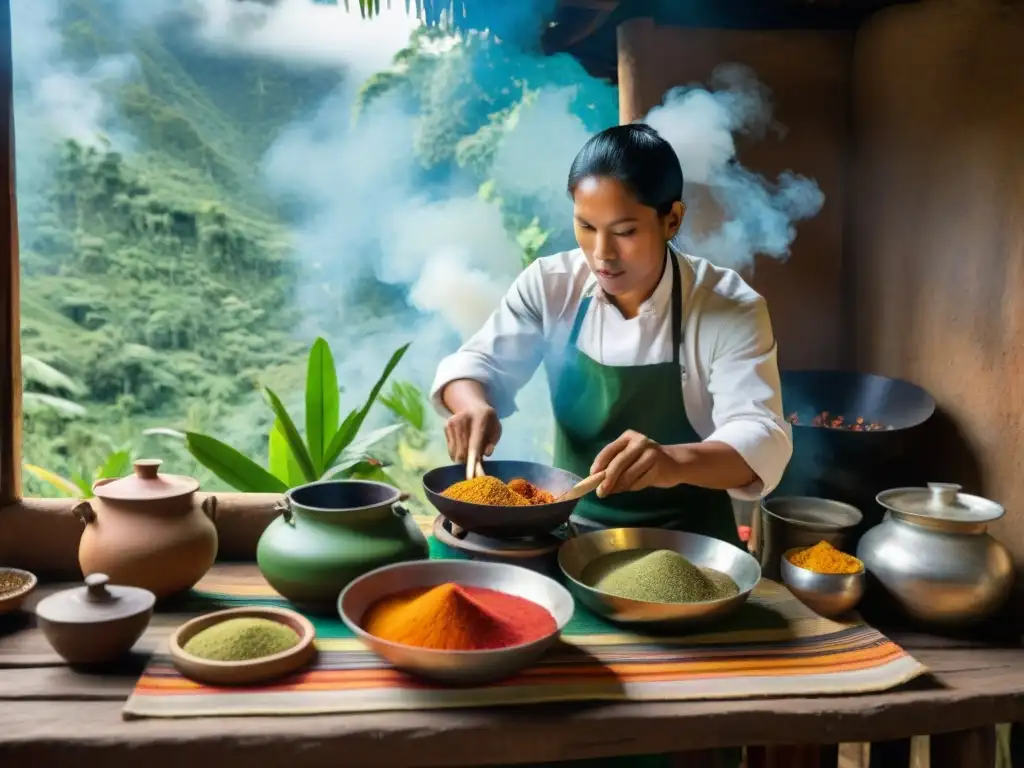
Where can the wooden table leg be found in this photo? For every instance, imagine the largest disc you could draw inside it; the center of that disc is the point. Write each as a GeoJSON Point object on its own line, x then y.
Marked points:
{"type": "Point", "coordinates": [974, 748]}
{"type": "Point", "coordinates": [890, 754]}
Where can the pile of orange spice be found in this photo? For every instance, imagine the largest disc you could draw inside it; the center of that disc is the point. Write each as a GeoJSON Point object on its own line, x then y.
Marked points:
{"type": "Point", "coordinates": [824, 558]}
{"type": "Point", "coordinates": [492, 492]}
{"type": "Point", "coordinates": [456, 617]}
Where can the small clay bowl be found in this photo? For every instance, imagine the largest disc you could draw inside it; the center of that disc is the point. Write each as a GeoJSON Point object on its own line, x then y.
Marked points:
{"type": "Point", "coordinates": [243, 672]}
{"type": "Point", "coordinates": [12, 601]}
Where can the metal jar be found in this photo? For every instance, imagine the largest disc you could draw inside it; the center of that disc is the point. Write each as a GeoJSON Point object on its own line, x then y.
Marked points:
{"type": "Point", "coordinates": [932, 555]}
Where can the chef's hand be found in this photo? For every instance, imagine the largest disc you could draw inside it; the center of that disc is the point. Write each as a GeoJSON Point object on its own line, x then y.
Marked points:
{"type": "Point", "coordinates": [477, 427]}
{"type": "Point", "coordinates": [633, 462]}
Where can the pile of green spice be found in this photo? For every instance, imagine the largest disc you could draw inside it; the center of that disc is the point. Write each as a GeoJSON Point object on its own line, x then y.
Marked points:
{"type": "Point", "coordinates": [242, 640]}
{"type": "Point", "coordinates": [657, 576]}
{"type": "Point", "coordinates": [11, 583]}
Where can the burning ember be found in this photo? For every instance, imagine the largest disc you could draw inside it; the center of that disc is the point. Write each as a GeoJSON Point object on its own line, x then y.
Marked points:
{"type": "Point", "coordinates": [826, 420]}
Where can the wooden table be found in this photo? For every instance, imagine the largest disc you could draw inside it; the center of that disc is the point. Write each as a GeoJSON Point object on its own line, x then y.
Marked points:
{"type": "Point", "coordinates": [52, 716]}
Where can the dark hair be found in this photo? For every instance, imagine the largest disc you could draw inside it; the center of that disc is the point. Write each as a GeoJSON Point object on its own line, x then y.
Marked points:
{"type": "Point", "coordinates": [636, 156]}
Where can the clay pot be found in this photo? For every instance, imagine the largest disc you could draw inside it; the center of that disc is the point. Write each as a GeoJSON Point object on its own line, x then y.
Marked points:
{"type": "Point", "coordinates": [96, 623]}
{"type": "Point", "coordinates": [331, 532]}
{"type": "Point", "coordinates": [145, 531]}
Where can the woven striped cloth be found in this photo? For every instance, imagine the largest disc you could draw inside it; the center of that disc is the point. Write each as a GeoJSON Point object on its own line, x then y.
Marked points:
{"type": "Point", "coordinates": [773, 646]}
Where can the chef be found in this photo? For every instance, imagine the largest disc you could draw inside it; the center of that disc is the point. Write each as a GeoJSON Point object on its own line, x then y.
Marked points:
{"type": "Point", "coordinates": [662, 367]}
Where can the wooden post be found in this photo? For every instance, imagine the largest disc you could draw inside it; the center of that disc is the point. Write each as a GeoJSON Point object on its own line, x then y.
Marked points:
{"type": "Point", "coordinates": [973, 748]}
{"type": "Point", "coordinates": [10, 314]}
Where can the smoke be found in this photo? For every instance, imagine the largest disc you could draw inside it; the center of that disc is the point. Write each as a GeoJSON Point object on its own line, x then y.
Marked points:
{"type": "Point", "coordinates": [369, 224]}
{"type": "Point", "coordinates": [55, 100]}
{"type": "Point", "coordinates": [735, 214]}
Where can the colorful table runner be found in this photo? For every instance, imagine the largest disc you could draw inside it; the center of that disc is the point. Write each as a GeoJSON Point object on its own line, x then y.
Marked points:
{"type": "Point", "coordinates": [773, 646]}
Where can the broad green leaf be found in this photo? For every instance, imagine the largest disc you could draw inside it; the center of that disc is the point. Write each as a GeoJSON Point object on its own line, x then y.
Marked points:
{"type": "Point", "coordinates": [164, 432]}
{"type": "Point", "coordinates": [282, 463]}
{"type": "Point", "coordinates": [35, 402]}
{"type": "Point", "coordinates": [321, 402]}
{"type": "Point", "coordinates": [368, 470]}
{"type": "Point", "coordinates": [293, 437]}
{"type": "Point", "coordinates": [361, 446]}
{"type": "Point", "coordinates": [60, 483]}
{"type": "Point", "coordinates": [38, 372]}
{"type": "Point", "coordinates": [118, 464]}
{"type": "Point", "coordinates": [406, 401]}
{"type": "Point", "coordinates": [345, 463]}
{"type": "Point", "coordinates": [350, 428]}
{"type": "Point", "coordinates": [238, 471]}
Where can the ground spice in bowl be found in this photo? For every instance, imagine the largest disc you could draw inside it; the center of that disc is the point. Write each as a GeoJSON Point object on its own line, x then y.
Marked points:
{"type": "Point", "coordinates": [486, 490]}
{"type": "Point", "coordinates": [531, 492]}
{"type": "Point", "coordinates": [12, 583]}
{"type": "Point", "coordinates": [656, 576]}
{"type": "Point", "coordinates": [455, 617]}
{"type": "Point", "coordinates": [242, 639]}
{"type": "Point", "coordinates": [825, 558]}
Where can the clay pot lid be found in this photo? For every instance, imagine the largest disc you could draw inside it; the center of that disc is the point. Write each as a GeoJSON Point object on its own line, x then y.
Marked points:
{"type": "Point", "coordinates": [146, 484]}
{"type": "Point", "coordinates": [97, 602]}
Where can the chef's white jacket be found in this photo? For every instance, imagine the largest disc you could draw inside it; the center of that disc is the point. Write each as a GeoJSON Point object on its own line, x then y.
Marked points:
{"type": "Point", "coordinates": [730, 374]}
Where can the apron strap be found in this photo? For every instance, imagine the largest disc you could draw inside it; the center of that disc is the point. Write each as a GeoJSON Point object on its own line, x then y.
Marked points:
{"type": "Point", "coordinates": [677, 311]}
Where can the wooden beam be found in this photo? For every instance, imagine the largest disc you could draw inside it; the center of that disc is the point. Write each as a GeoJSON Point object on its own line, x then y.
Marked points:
{"type": "Point", "coordinates": [10, 313]}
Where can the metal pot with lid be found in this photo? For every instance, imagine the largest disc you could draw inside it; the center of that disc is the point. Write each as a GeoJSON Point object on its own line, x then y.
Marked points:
{"type": "Point", "coordinates": [933, 555]}
{"type": "Point", "coordinates": [95, 623]}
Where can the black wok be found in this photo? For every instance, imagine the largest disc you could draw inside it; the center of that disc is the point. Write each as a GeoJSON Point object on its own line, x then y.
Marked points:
{"type": "Point", "coordinates": [845, 465]}
{"type": "Point", "coordinates": [504, 522]}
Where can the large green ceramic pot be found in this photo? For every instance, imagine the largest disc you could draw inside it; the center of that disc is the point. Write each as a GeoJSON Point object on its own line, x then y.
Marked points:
{"type": "Point", "coordinates": [331, 532]}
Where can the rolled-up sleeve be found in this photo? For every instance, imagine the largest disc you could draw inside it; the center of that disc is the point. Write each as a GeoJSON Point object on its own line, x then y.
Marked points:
{"type": "Point", "coordinates": [747, 397]}
{"type": "Point", "coordinates": [505, 353]}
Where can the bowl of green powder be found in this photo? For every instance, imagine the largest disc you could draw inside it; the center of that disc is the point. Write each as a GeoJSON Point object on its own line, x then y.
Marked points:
{"type": "Point", "coordinates": [243, 646]}
{"type": "Point", "coordinates": [650, 576]}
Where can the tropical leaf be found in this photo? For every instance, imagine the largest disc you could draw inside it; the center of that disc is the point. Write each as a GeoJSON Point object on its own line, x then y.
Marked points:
{"type": "Point", "coordinates": [352, 424]}
{"type": "Point", "coordinates": [361, 446]}
{"type": "Point", "coordinates": [321, 402]}
{"type": "Point", "coordinates": [282, 463]}
{"type": "Point", "coordinates": [36, 402]}
{"type": "Point", "coordinates": [406, 401]}
{"type": "Point", "coordinates": [291, 434]}
{"type": "Point", "coordinates": [62, 484]}
{"type": "Point", "coordinates": [38, 372]}
{"type": "Point", "coordinates": [118, 464]}
{"type": "Point", "coordinates": [241, 473]}
{"type": "Point", "coordinates": [368, 470]}
{"type": "Point", "coordinates": [164, 432]}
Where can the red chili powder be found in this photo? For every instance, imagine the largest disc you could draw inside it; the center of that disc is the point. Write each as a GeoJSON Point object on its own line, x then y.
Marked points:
{"type": "Point", "coordinates": [454, 617]}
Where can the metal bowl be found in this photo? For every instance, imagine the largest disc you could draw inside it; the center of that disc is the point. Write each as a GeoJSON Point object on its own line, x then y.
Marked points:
{"type": "Point", "coordinates": [504, 522]}
{"type": "Point", "coordinates": [456, 667]}
{"type": "Point", "coordinates": [577, 553]}
{"type": "Point", "coordinates": [801, 521]}
{"type": "Point", "coordinates": [827, 594]}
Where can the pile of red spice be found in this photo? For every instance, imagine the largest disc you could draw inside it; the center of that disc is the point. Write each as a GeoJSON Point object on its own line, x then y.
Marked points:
{"type": "Point", "coordinates": [454, 617]}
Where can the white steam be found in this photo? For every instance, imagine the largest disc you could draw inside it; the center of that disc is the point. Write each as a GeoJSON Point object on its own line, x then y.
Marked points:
{"type": "Point", "coordinates": [751, 215]}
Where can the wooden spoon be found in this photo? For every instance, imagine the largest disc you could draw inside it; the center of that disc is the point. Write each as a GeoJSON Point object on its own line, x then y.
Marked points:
{"type": "Point", "coordinates": [583, 487]}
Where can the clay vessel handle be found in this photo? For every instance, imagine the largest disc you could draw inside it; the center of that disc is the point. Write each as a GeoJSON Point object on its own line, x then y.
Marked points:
{"type": "Point", "coordinates": [286, 511]}
{"type": "Point", "coordinates": [400, 509]}
{"type": "Point", "coordinates": [209, 507]}
{"type": "Point", "coordinates": [84, 512]}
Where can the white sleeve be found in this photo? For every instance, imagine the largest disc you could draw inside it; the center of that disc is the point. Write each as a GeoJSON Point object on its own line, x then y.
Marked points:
{"type": "Point", "coordinates": [505, 353]}
{"type": "Point", "coordinates": [747, 394]}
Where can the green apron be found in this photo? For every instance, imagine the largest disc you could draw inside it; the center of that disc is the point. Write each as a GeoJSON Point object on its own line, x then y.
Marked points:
{"type": "Point", "coordinates": [593, 405]}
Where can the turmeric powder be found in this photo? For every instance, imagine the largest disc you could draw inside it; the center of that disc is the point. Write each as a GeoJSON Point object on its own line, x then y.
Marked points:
{"type": "Point", "coordinates": [531, 492]}
{"type": "Point", "coordinates": [485, 490]}
{"type": "Point", "coordinates": [824, 558]}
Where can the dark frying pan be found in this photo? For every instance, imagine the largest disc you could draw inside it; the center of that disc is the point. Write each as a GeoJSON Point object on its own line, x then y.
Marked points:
{"type": "Point", "coordinates": [504, 522]}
